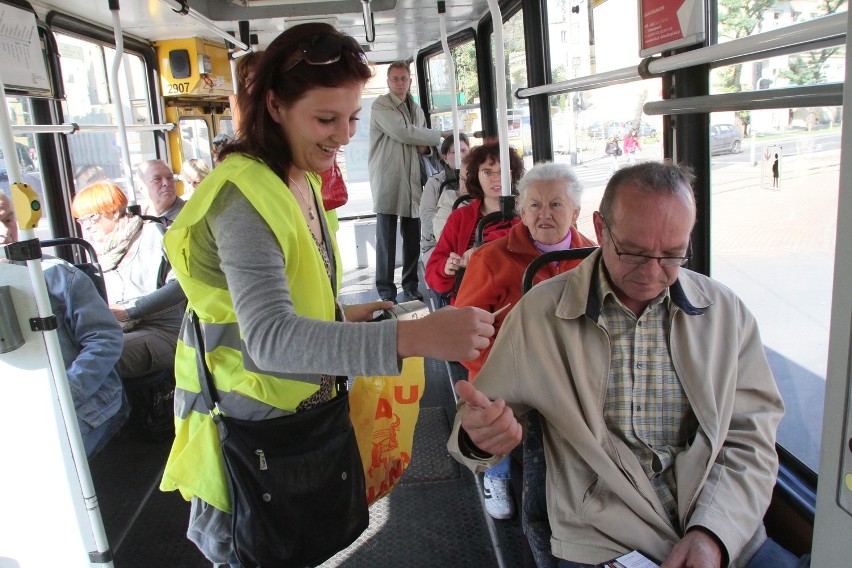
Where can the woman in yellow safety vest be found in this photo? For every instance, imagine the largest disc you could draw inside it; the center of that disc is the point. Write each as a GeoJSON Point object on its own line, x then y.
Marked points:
{"type": "Point", "coordinates": [261, 270]}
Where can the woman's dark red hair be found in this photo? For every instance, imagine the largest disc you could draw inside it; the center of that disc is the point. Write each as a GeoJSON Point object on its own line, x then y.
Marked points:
{"type": "Point", "coordinates": [262, 138]}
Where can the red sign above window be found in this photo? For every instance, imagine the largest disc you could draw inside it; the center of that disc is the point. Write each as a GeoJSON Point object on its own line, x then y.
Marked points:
{"type": "Point", "coordinates": [668, 24]}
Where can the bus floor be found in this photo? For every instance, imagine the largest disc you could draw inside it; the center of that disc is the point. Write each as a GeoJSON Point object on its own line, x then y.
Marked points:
{"type": "Point", "coordinates": [434, 517]}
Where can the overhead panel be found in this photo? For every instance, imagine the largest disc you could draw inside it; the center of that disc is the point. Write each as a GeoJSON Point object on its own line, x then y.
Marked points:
{"type": "Point", "coordinates": [194, 67]}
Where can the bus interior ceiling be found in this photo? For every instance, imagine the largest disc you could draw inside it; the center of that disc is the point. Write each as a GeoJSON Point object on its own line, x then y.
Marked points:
{"type": "Point", "coordinates": [402, 27]}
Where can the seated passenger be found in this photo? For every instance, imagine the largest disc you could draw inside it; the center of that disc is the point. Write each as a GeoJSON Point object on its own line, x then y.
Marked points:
{"type": "Point", "coordinates": [192, 172]}
{"type": "Point", "coordinates": [90, 340]}
{"type": "Point", "coordinates": [447, 204]}
{"type": "Point", "coordinates": [456, 243]}
{"type": "Point", "coordinates": [655, 395]}
{"type": "Point", "coordinates": [550, 205]}
{"type": "Point", "coordinates": [432, 192]}
{"type": "Point", "coordinates": [161, 192]}
{"type": "Point", "coordinates": [143, 294]}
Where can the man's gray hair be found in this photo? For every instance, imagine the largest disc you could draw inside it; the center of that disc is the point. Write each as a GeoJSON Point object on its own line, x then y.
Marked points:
{"type": "Point", "coordinates": [143, 167]}
{"type": "Point", "coordinates": [551, 171]}
{"type": "Point", "coordinates": [399, 65]}
{"type": "Point", "coordinates": [649, 177]}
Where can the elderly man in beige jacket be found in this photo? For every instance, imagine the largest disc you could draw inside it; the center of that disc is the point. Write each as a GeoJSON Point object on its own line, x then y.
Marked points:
{"type": "Point", "coordinates": [658, 407]}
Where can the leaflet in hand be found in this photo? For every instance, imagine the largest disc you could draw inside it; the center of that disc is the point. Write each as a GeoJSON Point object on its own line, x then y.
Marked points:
{"type": "Point", "coordinates": [633, 559]}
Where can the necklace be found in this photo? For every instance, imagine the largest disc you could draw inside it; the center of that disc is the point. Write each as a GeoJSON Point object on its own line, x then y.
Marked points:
{"type": "Point", "coordinates": [305, 199]}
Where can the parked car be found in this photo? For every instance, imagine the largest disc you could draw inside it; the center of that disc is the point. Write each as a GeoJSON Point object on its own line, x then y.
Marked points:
{"type": "Point", "coordinates": [595, 129]}
{"type": "Point", "coordinates": [605, 129]}
{"type": "Point", "coordinates": [645, 130]}
{"type": "Point", "coordinates": [725, 138]}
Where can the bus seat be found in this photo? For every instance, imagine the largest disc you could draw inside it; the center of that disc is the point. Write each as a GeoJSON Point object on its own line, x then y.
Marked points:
{"type": "Point", "coordinates": [451, 183]}
{"type": "Point", "coordinates": [91, 266]}
{"type": "Point", "coordinates": [489, 219]}
{"type": "Point", "coordinates": [534, 521]}
{"type": "Point", "coordinates": [151, 396]}
{"type": "Point", "coordinates": [493, 218]}
{"type": "Point", "coordinates": [552, 256]}
{"type": "Point", "coordinates": [461, 200]}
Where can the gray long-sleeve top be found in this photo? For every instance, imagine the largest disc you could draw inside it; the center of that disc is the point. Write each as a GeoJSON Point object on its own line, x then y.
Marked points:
{"type": "Point", "coordinates": [235, 248]}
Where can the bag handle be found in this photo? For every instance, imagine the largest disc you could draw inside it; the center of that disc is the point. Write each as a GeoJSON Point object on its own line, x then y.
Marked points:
{"type": "Point", "coordinates": [208, 389]}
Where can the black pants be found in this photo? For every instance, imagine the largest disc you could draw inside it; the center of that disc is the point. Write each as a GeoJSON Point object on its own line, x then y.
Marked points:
{"type": "Point", "coordinates": [409, 227]}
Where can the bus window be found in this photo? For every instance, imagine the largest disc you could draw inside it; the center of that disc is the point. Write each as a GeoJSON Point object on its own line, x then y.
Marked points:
{"type": "Point", "coordinates": [774, 191]}
{"type": "Point", "coordinates": [97, 155]}
{"type": "Point", "coordinates": [226, 126]}
{"type": "Point", "coordinates": [195, 139]}
{"type": "Point", "coordinates": [516, 78]}
{"type": "Point", "coordinates": [467, 90]}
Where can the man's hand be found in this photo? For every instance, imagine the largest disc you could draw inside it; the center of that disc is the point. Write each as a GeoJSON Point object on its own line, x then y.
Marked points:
{"type": "Point", "coordinates": [491, 425]}
{"type": "Point", "coordinates": [424, 150]}
{"type": "Point", "coordinates": [697, 549]}
{"type": "Point", "coordinates": [119, 312]}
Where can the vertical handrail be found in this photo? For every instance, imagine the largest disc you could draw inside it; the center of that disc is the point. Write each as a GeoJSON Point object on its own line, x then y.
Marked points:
{"type": "Point", "coordinates": [502, 109]}
{"type": "Point", "coordinates": [115, 90]}
{"type": "Point", "coordinates": [451, 71]}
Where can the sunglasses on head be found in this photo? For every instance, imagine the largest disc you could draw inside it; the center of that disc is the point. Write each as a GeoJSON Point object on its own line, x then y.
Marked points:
{"type": "Point", "coordinates": [325, 50]}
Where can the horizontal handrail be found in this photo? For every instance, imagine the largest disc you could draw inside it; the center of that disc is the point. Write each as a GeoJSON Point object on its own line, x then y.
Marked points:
{"type": "Point", "coordinates": [596, 81]}
{"type": "Point", "coordinates": [832, 27]}
{"type": "Point", "coordinates": [817, 33]}
{"type": "Point", "coordinates": [73, 127]}
{"type": "Point", "coordinates": [792, 97]}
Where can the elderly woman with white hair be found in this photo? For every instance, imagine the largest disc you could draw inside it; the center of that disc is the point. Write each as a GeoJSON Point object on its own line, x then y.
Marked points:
{"type": "Point", "coordinates": [550, 204]}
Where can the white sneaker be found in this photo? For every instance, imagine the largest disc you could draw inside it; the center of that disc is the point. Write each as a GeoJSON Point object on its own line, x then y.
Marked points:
{"type": "Point", "coordinates": [498, 501]}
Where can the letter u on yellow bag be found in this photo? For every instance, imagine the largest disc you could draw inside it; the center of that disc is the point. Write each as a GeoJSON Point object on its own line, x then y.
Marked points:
{"type": "Point", "coordinates": [384, 413]}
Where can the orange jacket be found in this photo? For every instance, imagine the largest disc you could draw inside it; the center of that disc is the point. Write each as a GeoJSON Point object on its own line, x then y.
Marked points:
{"type": "Point", "coordinates": [494, 273]}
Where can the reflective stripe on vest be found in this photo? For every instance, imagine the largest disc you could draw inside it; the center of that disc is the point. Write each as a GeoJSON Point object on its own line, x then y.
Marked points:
{"type": "Point", "coordinates": [231, 403]}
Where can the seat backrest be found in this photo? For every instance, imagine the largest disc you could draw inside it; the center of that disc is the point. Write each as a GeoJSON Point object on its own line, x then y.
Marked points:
{"type": "Point", "coordinates": [552, 256]}
{"type": "Point", "coordinates": [461, 200]}
{"type": "Point", "coordinates": [90, 267]}
{"type": "Point", "coordinates": [451, 182]}
{"type": "Point", "coordinates": [492, 218]}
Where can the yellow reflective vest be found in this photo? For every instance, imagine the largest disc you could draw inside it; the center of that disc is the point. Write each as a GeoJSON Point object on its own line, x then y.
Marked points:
{"type": "Point", "coordinates": [195, 465]}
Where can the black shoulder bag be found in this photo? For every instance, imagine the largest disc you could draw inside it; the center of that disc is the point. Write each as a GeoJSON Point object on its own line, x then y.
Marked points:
{"type": "Point", "coordinates": [297, 481]}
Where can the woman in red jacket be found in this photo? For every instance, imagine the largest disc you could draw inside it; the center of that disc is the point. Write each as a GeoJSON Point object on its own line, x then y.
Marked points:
{"type": "Point", "coordinates": [484, 186]}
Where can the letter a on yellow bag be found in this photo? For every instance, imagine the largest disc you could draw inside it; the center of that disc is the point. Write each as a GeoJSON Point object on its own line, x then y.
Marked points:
{"type": "Point", "coordinates": [384, 413]}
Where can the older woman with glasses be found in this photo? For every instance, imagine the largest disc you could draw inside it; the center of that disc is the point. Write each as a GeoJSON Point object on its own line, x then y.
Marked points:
{"type": "Point", "coordinates": [484, 185]}
{"type": "Point", "coordinates": [253, 251]}
{"type": "Point", "coordinates": [143, 298]}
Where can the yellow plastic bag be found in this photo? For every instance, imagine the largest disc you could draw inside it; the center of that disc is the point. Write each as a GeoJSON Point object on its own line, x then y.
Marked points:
{"type": "Point", "coordinates": [384, 413]}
